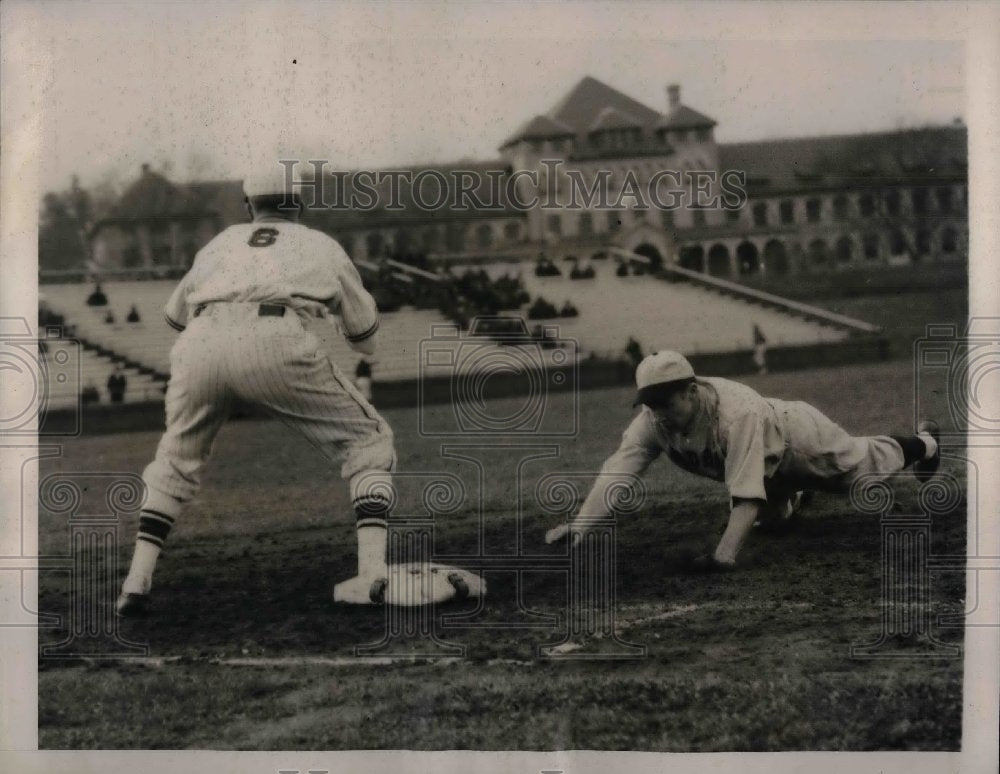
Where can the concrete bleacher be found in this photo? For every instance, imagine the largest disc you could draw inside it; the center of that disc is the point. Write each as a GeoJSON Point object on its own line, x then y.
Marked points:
{"type": "Point", "coordinates": [691, 317]}
{"type": "Point", "coordinates": [148, 342]}
{"type": "Point", "coordinates": [658, 314]}
{"type": "Point", "coordinates": [68, 368]}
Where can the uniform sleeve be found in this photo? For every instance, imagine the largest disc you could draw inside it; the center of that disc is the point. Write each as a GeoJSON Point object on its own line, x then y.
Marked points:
{"type": "Point", "coordinates": [745, 458]}
{"type": "Point", "coordinates": [358, 311]}
{"type": "Point", "coordinates": [634, 455]}
{"type": "Point", "coordinates": [176, 312]}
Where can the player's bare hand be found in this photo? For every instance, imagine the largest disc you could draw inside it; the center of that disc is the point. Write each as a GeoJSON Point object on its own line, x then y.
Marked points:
{"type": "Point", "coordinates": [561, 532]}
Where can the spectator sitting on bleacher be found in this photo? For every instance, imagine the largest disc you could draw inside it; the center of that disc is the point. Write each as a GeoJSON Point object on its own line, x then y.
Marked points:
{"type": "Point", "coordinates": [117, 384]}
{"type": "Point", "coordinates": [542, 309]}
{"type": "Point", "coordinates": [97, 298]}
{"type": "Point", "coordinates": [133, 315]}
{"type": "Point", "coordinates": [569, 310]}
{"type": "Point", "coordinates": [89, 394]}
{"type": "Point", "coordinates": [109, 318]}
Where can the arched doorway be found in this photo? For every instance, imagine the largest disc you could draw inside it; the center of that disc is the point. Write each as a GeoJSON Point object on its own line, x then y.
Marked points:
{"type": "Point", "coordinates": [949, 240]}
{"type": "Point", "coordinates": [692, 257]}
{"type": "Point", "coordinates": [649, 251]}
{"type": "Point", "coordinates": [748, 258]}
{"type": "Point", "coordinates": [775, 258]}
{"type": "Point", "coordinates": [718, 261]}
{"type": "Point", "coordinates": [844, 250]}
{"type": "Point", "coordinates": [819, 254]}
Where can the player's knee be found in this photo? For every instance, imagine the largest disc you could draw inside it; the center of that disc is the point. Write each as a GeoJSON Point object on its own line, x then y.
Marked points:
{"type": "Point", "coordinates": [163, 479]}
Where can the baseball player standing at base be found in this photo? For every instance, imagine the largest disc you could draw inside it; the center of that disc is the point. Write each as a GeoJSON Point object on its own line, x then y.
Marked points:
{"type": "Point", "coordinates": [246, 310]}
{"type": "Point", "coordinates": [769, 452]}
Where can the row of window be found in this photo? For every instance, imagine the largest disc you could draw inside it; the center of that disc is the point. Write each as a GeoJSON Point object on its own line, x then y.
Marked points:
{"type": "Point", "coordinates": [869, 205]}
{"type": "Point", "coordinates": [455, 239]}
{"type": "Point", "coordinates": [619, 139]}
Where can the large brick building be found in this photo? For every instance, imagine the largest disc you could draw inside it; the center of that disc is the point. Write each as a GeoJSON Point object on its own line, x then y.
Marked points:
{"type": "Point", "coordinates": [812, 204]}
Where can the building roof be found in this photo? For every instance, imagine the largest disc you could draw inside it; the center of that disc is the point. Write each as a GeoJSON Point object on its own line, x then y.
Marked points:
{"type": "Point", "coordinates": [854, 160]}
{"type": "Point", "coordinates": [539, 128]}
{"type": "Point", "coordinates": [613, 118]}
{"type": "Point", "coordinates": [592, 106]}
{"type": "Point", "coordinates": [223, 197]}
{"type": "Point", "coordinates": [683, 117]}
{"type": "Point", "coordinates": [153, 196]}
{"type": "Point", "coordinates": [584, 102]}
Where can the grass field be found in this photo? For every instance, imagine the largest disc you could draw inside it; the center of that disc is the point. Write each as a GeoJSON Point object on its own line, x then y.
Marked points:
{"type": "Point", "coordinates": [758, 659]}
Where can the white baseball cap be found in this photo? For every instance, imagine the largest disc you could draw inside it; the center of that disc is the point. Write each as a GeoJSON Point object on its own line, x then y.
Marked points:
{"type": "Point", "coordinates": [658, 369]}
{"type": "Point", "coordinates": [273, 180]}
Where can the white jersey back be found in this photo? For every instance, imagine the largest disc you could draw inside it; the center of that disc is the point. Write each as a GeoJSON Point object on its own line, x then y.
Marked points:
{"type": "Point", "coordinates": [276, 262]}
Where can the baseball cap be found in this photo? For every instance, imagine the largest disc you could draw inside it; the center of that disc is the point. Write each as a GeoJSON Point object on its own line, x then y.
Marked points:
{"type": "Point", "coordinates": [273, 180]}
{"type": "Point", "coordinates": [659, 369]}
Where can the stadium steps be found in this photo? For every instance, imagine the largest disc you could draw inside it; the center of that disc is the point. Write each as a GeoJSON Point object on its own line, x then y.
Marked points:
{"type": "Point", "coordinates": [661, 314]}
{"type": "Point", "coordinates": [145, 346]}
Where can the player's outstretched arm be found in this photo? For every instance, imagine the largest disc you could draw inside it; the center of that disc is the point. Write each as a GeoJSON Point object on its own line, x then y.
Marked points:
{"type": "Point", "coordinates": [636, 452]}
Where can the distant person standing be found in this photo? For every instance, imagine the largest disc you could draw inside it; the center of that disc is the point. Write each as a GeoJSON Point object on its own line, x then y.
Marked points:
{"type": "Point", "coordinates": [133, 315]}
{"type": "Point", "coordinates": [363, 379]}
{"type": "Point", "coordinates": [117, 384]}
{"type": "Point", "coordinates": [759, 349]}
{"type": "Point", "coordinates": [97, 298]}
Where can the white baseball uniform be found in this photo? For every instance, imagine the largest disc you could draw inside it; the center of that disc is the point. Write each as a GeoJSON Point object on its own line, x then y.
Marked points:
{"type": "Point", "coordinates": [762, 448]}
{"type": "Point", "coordinates": [247, 309]}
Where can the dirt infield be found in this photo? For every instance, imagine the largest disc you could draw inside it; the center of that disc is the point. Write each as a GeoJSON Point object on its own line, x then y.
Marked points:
{"type": "Point", "coordinates": [247, 650]}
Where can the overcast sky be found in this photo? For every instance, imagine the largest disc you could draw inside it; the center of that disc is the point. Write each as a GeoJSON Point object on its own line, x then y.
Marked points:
{"type": "Point", "coordinates": [205, 90]}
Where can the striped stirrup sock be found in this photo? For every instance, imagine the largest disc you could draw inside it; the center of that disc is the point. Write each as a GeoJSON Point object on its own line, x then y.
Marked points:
{"type": "Point", "coordinates": [154, 526]}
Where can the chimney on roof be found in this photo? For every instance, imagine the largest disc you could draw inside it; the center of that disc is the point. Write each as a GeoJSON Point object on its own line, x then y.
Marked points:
{"type": "Point", "coordinates": [673, 95]}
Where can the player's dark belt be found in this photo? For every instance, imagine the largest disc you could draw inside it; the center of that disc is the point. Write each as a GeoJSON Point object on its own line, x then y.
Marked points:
{"type": "Point", "coordinates": [264, 310]}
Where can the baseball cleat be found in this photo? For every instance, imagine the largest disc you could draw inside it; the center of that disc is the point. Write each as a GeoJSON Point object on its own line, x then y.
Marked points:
{"type": "Point", "coordinates": [924, 470]}
{"type": "Point", "coordinates": [132, 605]}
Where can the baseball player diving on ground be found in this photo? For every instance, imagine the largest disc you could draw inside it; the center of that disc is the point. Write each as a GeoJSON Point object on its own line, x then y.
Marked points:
{"type": "Point", "coordinates": [770, 453]}
{"type": "Point", "coordinates": [246, 311]}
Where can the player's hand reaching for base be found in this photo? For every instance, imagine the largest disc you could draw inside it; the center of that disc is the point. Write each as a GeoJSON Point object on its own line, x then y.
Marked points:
{"type": "Point", "coordinates": [561, 532]}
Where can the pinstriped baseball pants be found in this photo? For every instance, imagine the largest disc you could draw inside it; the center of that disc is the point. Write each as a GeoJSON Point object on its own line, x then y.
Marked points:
{"type": "Point", "coordinates": [229, 353]}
